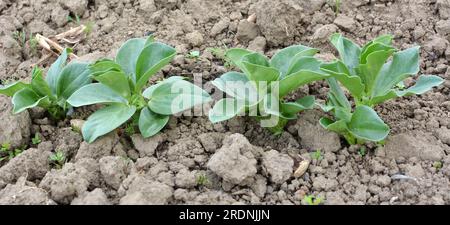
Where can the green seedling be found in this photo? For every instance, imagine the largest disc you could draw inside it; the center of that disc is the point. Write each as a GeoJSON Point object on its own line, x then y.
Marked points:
{"type": "Point", "coordinates": [120, 87]}
{"type": "Point", "coordinates": [52, 92]}
{"type": "Point", "coordinates": [129, 129]}
{"type": "Point", "coordinates": [57, 159]}
{"type": "Point", "coordinates": [312, 200]}
{"type": "Point", "coordinates": [36, 139]}
{"type": "Point", "coordinates": [21, 37]}
{"type": "Point", "coordinates": [259, 89]}
{"type": "Point", "coordinates": [337, 7]}
{"type": "Point", "coordinates": [220, 54]}
{"type": "Point", "coordinates": [438, 165]}
{"type": "Point", "coordinates": [202, 180]}
{"type": "Point", "coordinates": [33, 44]}
{"type": "Point", "coordinates": [193, 55]}
{"type": "Point", "coordinates": [317, 155]}
{"type": "Point", "coordinates": [75, 19]}
{"type": "Point", "coordinates": [371, 74]}
{"type": "Point", "coordinates": [6, 152]}
{"type": "Point", "coordinates": [362, 151]}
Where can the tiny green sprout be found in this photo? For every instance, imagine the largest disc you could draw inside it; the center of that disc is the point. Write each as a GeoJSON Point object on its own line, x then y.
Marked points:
{"type": "Point", "coordinates": [129, 129]}
{"type": "Point", "coordinates": [202, 180]}
{"type": "Point", "coordinates": [36, 139]}
{"type": "Point", "coordinates": [7, 153]}
{"type": "Point", "coordinates": [312, 200]}
{"type": "Point", "coordinates": [337, 7]}
{"type": "Point", "coordinates": [33, 43]}
{"type": "Point", "coordinates": [89, 27]}
{"type": "Point", "coordinates": [362, 151]}
{"type": "Point", "coordinates": [193, 55]}
{"type": "Point", "coordinates": [21, 37]}
{"type": "Point", "coordinates": [57, 159]}
{"type": "Point", "coordinates": [75, 19]}
{"type": "Point", "coordinates": [438, 165]}
{"type": "Point", "coordinates": [317, 155]}
{"type": "Point", "coordinates": [220, 54]}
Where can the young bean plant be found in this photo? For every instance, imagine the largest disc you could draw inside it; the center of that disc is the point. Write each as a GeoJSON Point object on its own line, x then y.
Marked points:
{"type": "Point", "coordinates": [120, 87]}
{"type": "Point", "coordinates": [259, 89]}
{"type": "Point", "coordinates": [372, 74]}
{"type": "Point", "coordinates": [51, 92]}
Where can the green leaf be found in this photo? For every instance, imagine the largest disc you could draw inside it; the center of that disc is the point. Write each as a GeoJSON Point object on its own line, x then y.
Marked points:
{"type": "Point", "coordinates": [403, 64]}
{"type": "Point", "coordinates": [25, 99]}
{"type": "Point", "coordinates": [149, 91]}
{"type": "Point", "coordinates": [375, 47]}
{"type": "Point", "coordinates": [128, 54]}
{"type": "Point", "coordinates": [174, 97]}
{"type": "Point", "coordinates": [237, 85]}
{"type": "Point", "coordinates": [235, 56]}
{"type": "Point", "coordinates": [11, 89]}
{"type": "Point", "coordinates": [423, 84]}
{"type": "Point", "coordinates": [349, 52]}
{"type": "Point", "coordinates": [117, 81]}
{"type": "Point", "coordinates": [55, 69]}
{"type": "Point", "coordinates": [38, 84]}
{"type": "Point", "coordinates": [226, 109]}
{"type": "Point", "coordinates": [366, 124]}
{"type": "Point", "coordinates": [93, 94]}
{"type": "Point", "coordinates": [385, 39]}
{"type": "Point", "coordinates": [103, 66]}
{"type": "Point", "coordinates": [151, 123]}
{"type": "Point", "coordinates": [336, 95]}
{"type": "Point", "coordinates": [271, 104]}
{"type": "Point", "coordinates": [370, 71]}
{"type": "Point", "coordinates": [297, 79]}
{"type": "Point", "coordinates": [257, 68]}
{"type": "Point", "coordinates": [339, 71]}
{"type": "Point", "coordinates": [283, 59]}
{"type": "Point", "coordinates": [292, 108]}
{"type": "Point", "coordinates": [152, 58]}
{"type": "Point", "coordinates": [106, 120]}
{"type": "Point", "coordinates": [339, 126]}
{"type": "Point", "coordinates": [74, 76]}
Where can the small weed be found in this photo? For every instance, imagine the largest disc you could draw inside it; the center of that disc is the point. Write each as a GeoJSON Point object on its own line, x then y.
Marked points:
{"type": "Point", "coordinates": [21, 37]}
{"type": "Point", "coordinates": [220, 53]}
{"type": "Point", "coordinates": [193, 55]}
{"type": "Point", "coordinates": [36, 139]}
{"type": "Point", "coordinates": [7, 153]}
{"type": "Point", "coordinates": [33, 44]}
{"type": "Point", "coordinates": [317, 155]}
{"type": "Point", "coordinates": [337, 6]}
{"type": "Point", "coordinates": [438, 165]}
{"type": "Point", "coordinates": [57, 159]}
{"type": "Point", "coordinates": [75, 19]}
{"type": "Point", "coordinates": [202, 180]}
{"type": "Point", "coordinates": [362, 151]}
{"type": "Point", "coordinates": [312, 200]}
{"type": "Point", "coordinates": [129, 129]}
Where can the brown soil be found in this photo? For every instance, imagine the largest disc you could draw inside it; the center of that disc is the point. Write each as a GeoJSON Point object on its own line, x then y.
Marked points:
{"type": "Point", "coordinates": [189, 162]}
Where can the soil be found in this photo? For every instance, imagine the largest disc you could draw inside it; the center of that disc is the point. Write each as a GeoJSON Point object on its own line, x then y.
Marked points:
{"type": "Point", "coordinates": [236, 162]}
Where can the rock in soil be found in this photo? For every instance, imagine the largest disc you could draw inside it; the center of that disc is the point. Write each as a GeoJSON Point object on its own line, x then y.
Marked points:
{"type": "Point", "coordinates": [16, 131]}
{"type": "Point", "coordinates": [234, 162]}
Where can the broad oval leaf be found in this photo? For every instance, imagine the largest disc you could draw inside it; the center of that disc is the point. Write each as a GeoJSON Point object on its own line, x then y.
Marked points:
{"type": "Point", "coordinates": [349, 52]}
{"type": "Point", "coordinates": [283, 59]}
{"type": "Point", "coordinates": [93, 94]}
{"type": "Point", "coordinates": [103, 66]}
{"type": "Point", "coordinates": [55, 69]}
{"type": "Point", "coordinates": [292, 108]}
{"type": "Point", "coordinates": [151, 123]}
{"type": "Point", "coordinates": [237, 85]}
{"type": "Point", "coordinates": [296, 80]}
{"type": "Point", "coordinates": [38, 84]}
{"type": "Point", "coordinates": [226, 109]}
{"type": "Point", "coordinates": [353, 83]}
{"type": "Point", "coordinates": [174, 97]}
{"type": "Point", "coordinates": [404, 63]}
{"type": "Point", "coordinates": [128, 54]}
{"type": "Point", "coordinates": [11, 89]}
{"type": "Point", "coordinates": [149, 91]}
{"type": "Point", "coordinates": [370, 71]}
{"type": "Point", "coordinates": [339, 126]}
{"type": "Point", "coordinates": [25, 99]}
{"type": "Point", "coordinates": [235, 55]}
{"type": "Point", "coordinates": [74, 76]}
{"type": "Point", "coordinates": [117, 81]}
{"type": "Point", "coordinates": [366, 124]}
{"type": "Point", "coordinates": [152, 58]}
{"type": "Point", "coordinates": [106, 120]}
